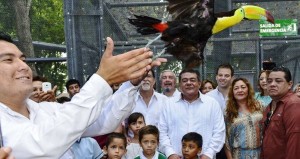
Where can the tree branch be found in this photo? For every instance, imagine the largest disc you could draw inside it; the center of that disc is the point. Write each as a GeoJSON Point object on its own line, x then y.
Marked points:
{"type": "Point", "coordinates": [28, 6]}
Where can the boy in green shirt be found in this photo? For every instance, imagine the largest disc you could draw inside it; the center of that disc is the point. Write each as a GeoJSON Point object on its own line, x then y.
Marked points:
{"type": "Point", "coordinates": [149, 138]}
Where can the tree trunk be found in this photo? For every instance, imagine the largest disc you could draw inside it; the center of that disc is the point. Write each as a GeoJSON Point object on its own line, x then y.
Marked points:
{"type": "Point", "coordinates": [21, 10]}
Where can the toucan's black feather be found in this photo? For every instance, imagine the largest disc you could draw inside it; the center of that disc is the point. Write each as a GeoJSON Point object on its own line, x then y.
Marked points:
{"type": "Point", "coordinates": [186, 35]}
{"type": "Point", "coordinates": [186, 30]}
{"type": "Point", "coordinates": [181, 9]}
{"type": "Point", "coordinates": [144, 24]}
{"type": "Point", "coordinates": [225, 14]}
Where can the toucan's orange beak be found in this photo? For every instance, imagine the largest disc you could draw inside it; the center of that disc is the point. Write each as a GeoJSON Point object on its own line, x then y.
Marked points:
{"type": "Point", "coordinates": [257, 13]}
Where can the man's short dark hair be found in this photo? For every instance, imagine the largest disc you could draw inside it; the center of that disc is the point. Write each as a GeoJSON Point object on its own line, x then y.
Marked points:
{"type": "Point", "coordinates": [5, 37]}
{"type": "Point", "coordinates": [194, 137]}
{"type": "Point", "coordinates": [72, 81]}
{"type": "Point", "coordinates": [190, 71]}
{"type": "Point", "coordinates": [225, 65]}
{"type": "Point", "coordinates": [286, 71]}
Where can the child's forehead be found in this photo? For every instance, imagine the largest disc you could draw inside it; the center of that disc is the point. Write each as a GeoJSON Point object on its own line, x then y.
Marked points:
{"type": "Point", "coordinates": [189, 142]}
{"type": "Point", "coordinates": [140, 118]}
{"type": "Point", "coordinates": [117, 141]}
{"type": "Point", "coordinates": [150, 137]}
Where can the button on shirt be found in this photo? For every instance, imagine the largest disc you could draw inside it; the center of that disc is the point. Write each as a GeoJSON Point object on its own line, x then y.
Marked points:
{"type": "Point", "coordinates": [175, 95]}
{"type": "Point", "coordinates": [52, 127]}
{"type": "Point", "coordinates": [151, 111]}
{"type": "Point", "coordinates": [180, 117]}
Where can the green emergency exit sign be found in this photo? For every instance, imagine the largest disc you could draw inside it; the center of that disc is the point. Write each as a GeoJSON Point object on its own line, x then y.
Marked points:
{"type": "Point", "coordinates": [282, 27]}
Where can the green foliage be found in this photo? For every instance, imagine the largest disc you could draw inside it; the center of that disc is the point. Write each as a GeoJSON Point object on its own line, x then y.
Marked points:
{"type": "Point", "coordinates": [47, 25]}
{"type": "Point", "coordinates": [174, 65]}
{"type": "Point", "coordinates": [55, 72]}
{"type": "Point", "coordinates": [47, 21]}
{"type": "Point", "coordinates": [7, 22]}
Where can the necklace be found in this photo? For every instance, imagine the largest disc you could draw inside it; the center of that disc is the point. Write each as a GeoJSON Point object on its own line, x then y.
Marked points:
{"type": "Point", "coordinates": [270, 113]}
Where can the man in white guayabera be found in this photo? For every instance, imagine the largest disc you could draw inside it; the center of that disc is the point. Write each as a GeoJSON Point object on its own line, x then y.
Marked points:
{"type": "Point", "coordinates": [147, 100]}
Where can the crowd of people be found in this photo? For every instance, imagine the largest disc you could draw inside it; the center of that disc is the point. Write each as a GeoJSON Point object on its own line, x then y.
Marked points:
{"type": "Point", "coordinates": [118, 113]}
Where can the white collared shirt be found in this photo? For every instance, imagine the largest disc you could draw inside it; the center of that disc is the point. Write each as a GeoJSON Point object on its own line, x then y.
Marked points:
{"type": "Point", "coordinates": [203, 116]}
{"type": "Point", "coordinates": [175, 95]}
{"type": "Point", "coordinates": [154, 157]}
{"type": "Point", "coordinates": [151, 111]}
{"type": "Point", "coordinates": [52, 127]}
{"type": "Point", "coordinates": [217, 95]}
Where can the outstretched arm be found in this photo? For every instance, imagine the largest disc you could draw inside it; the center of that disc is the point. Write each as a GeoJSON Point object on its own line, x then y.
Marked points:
{"type": "Point", "coordinates": [67, 124]}
{"type": "Point", "coordinates": [127, 66]}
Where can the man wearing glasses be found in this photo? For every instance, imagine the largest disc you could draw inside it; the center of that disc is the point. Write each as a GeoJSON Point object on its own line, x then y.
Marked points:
{"type": "Point", "coordinates": [281, 121]}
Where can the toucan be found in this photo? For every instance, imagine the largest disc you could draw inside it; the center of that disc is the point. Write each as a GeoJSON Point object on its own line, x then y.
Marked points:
{"type": "Point", "coordinates": [193, 23]}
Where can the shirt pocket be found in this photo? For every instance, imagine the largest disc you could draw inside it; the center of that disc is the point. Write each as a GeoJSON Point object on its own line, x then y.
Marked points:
{"type": "Point", "coordinates": [276, 125]}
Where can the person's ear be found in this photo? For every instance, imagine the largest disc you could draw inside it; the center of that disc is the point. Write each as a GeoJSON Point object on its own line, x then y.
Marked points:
{"type": "Point", "coordinates": [104, 149]}
{"type": "Point", "coordinates": [232, 78]}
{"type": "Point", "coordinates": [199, 151]}
{"type": "Point", "coordinates": [200, 83]}
{"type": "Point", "coordinates": [290, 84]}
